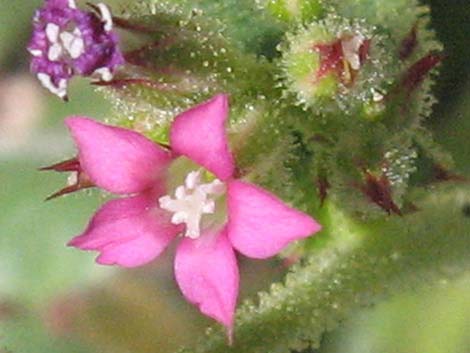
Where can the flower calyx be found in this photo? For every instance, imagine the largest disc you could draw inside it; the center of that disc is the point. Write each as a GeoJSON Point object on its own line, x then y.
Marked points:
{"type": "Point", "coordinates": [417, 72]}
{"type": "Point", "coordinates": [330, 63]}
{"type": "Point", "coordinates": [379, 191]}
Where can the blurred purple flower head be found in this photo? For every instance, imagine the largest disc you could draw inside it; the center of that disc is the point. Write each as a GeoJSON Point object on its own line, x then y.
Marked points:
{"type": "Point", "coordinates": [67, 41]}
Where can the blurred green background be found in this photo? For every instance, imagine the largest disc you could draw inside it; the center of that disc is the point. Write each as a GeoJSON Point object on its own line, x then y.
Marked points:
{"type": "Point", "coordinates": [56, 299]}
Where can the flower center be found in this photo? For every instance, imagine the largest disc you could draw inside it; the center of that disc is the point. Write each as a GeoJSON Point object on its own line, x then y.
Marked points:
{"type": "Point", "coordinates": [64, 42]}
{"type": "Point", "coordinates": [193, 200]}
{"type": "Point", "coordinates": [70, 43]}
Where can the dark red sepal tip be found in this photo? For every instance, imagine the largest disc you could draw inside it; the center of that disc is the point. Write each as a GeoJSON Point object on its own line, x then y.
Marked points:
{"type": "Point", "coordinates": [71, 166]}
{"type": "Point", "coordinates": [379, 191]}
{"type": "Point", "coordinates": [409, 43]}
{"type": "Point", "coordinates": [416, 74]}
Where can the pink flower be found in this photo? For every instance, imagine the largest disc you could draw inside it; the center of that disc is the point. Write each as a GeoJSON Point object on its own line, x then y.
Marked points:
{"type": "Point", "coordinates": [188, 190]}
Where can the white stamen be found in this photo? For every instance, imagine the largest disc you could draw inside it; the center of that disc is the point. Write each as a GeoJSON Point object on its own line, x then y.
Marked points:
{"type": "Point", "coordinates": [73, 43]}
{"type": "Point", "coordinates": [52, 32]}
{"type": "Point", "coordinates": [193, 179]}
{"type": "Point", "coordinates": [180, 192]}
{"type": "Point", "coordinates": [351, 48]}
{"type": "Point", "coordinates": [104, 74]}
{"type": "Point", "coordinates": [216, 187]}
{"type": "Point", "coordinates": [192, 202]}
{"type": "Point", "coordinates": [72, 4]}
{"type": "Point", "coordinates": [106, 17]}
{"type": "Point", "coordinates": [35, 52]}
{"type": "Point", "coordinates": [60, 90]}
{"type": "Point", "coordinates": [55, 52]}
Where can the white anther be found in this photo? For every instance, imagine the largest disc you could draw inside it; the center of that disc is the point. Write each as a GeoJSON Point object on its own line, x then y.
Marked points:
{"type": "Point", "coordinates": [192, 200]}
{"type": "Point", "coordinates": [72, 4]}
{"type": "Point", "coordinates": [215, 188]}
{"type": "Point", "coordinates": [55, 52]}
{"type": "Point", "coordinates": [106, 17]}
{"type": "Point", "coordinates": [35, 52]}
{"type": "Point", "coordinates": [104, 74]}
{"type": "Point", "coordinates": [73, 43]}
{"type": "Point", "coordinates": [60, 90]}
{"type": "Point", "coordinates": [180, 192]}
{"type": "Point", "coordinates": [52, 32]}
{"type": "Point", "coordinates": [351, 48]}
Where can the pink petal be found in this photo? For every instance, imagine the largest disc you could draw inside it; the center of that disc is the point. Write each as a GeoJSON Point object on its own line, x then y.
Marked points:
{"type": "Point", "coordinates": [128, 232]}
{"type": "Point", "coordinates": [207, 273]}
{"type": "Point", "coordinates": [199, 134]}
{"type": "Point", "coordinates": [261, 225]}
{"type": "Point", "coordinates": [116, 159]}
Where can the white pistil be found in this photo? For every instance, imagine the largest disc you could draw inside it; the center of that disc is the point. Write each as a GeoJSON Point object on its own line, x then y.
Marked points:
{"type": "Point", "coordinates": [106, 17]}
{"type": "Point", "coordinates": [60, 90]}
{"type": "Point", "coordinates": [192, 201]}
{"type": "Point", "coordinates": [351, 48]}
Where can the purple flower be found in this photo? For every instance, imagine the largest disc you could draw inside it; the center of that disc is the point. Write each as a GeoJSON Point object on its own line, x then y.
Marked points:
{"type": "Point", "coordinates": [67, 41]}
{"type": "Point", "coordinates": [190, 190]}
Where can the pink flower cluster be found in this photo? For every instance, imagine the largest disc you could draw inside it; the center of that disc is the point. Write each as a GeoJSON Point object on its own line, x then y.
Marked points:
{"type": "Point", "coordinates": [188, 190]}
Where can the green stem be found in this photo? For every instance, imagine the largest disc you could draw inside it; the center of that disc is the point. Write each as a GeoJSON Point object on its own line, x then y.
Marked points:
{"type": "Point", "coordinates": [364, 262]}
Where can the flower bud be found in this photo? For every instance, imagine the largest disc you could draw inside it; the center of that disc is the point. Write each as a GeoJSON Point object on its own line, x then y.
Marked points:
{"type": "Point", "coordinates": [333, 63]}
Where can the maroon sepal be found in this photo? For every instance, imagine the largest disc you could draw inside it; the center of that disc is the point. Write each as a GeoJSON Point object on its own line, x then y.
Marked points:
{"type": "Point", "coordinates": [379, 191]}
{"type": "Point", "coordinates": [331, 58]}
{"type": "Point", "coordinates": [323, 186]}
{"type": "Point", "coordinates": [70, 166]}
{"type": "Point", "coordinates": [123, 23]}
{"type": "Point", "coordinates": [364, 51]}
{"type": "Point", "coordinates": [127, 25]}
{"type": "Point", "coordinates": [409, 43]}
{"type": "Point", "coordinates": [416, 74]}
{"type": "Point", "coordinates": [442, 174]}
{"type": "Point", "coordinates": [136, 56]}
